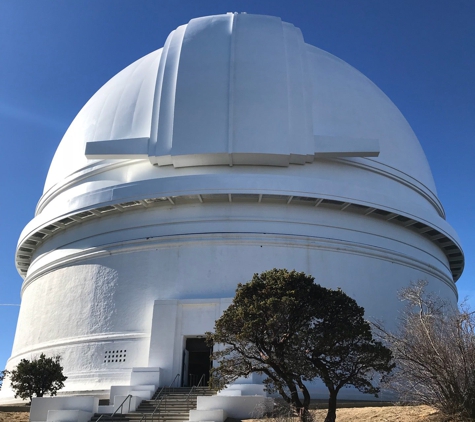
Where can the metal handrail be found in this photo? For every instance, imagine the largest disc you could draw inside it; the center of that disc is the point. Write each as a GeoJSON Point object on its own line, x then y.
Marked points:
{"type": "Point", "coordinates": [122, 404]}
{"type": "Point", "coordinates": [203, 377]}
{"type": "Point", "coordinates": [159, 394]}
{"type": "Point", "coordinates": [162, 398]}
{"type": "Point", "coordinates": [157, 407]}
{"type": "Point", "coordinates": [174, 379]}
{"type": "Point", "coordinates": [119, 408]}
{"type": "Point", "coordinates": [192, 388]}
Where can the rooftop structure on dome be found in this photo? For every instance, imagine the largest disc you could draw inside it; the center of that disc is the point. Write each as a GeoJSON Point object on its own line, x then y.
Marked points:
{"type": "Point", "coordinates": [234, 149]}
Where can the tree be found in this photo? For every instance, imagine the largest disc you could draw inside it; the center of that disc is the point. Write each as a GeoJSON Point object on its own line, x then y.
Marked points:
{"type": "Point", "coordinates": [285, 326]}
{"type": "Point", "coordinates": [342, 349]}
{"type": "Point", "coordinates": [434, 351]}
{"type": "Point", "coordinates": [37, 377]}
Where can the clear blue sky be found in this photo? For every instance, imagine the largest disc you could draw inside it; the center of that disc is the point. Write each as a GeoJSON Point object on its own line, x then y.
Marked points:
{"type": "Point", "coordinates": [54, 55]}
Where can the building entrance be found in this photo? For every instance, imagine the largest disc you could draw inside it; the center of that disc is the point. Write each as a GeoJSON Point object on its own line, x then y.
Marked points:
{"type": "Point", "coordinates": [196, 362]}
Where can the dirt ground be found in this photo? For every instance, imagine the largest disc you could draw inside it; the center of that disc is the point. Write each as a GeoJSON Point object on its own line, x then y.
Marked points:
{"type": "Point", "coordinates": [363, 414]}
{"type": "Point", "coordinates": [376, 414]}
{"type": "Point", "coordinates": [382, 414]}
{"type": "Point", "coordinates": [14, 416]}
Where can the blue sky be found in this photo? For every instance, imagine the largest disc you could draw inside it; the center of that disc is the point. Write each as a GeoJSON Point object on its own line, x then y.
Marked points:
{"type": "Point", "coordinates": [55, 54]}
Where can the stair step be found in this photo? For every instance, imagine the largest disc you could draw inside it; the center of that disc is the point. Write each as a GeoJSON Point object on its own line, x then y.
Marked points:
{"type": "Point", "coordinates": [175, 405]}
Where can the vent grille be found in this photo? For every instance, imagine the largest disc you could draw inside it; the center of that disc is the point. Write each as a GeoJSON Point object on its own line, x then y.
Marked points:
{"type": "Point", "coordinates": [115, 356]}
{"type": "Point", "coordinates": [84, 214]}
{"type": "Point", "coordinates": [105, 209]}
{"type": "Point", "coordinates": [130, 204]}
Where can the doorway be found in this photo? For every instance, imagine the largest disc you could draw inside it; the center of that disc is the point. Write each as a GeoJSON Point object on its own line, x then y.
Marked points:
{"type": "Point", "coordinates": [196, 362]}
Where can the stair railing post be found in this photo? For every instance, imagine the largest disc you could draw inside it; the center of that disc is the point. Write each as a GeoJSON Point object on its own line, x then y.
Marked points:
{"type": "Point", "coordinates": [129, 397]}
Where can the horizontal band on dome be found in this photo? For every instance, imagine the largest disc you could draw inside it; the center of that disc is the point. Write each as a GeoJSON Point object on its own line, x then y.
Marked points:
{"type": "Point", "coordinates": [28, 246]}
{"type": "Point", "coordinates": [310, 242]}
{"type": "Point", "coordinates": [84, 340]}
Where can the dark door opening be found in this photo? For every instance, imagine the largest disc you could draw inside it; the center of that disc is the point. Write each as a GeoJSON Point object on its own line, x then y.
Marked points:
{"type": "Point", "coordinates": [196, 362]}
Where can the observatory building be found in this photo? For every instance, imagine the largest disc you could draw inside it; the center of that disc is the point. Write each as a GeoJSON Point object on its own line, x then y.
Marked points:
{"type": "Point", "coordinates": [234, 149]}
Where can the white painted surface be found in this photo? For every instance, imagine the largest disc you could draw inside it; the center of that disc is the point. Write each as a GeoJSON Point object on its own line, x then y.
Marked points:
{"type": "Point", "coordinates": [144, 395]}
{"type": "Point", "coordinates": [133, 284]}
{"type": "Point", "coordinates": [215, 415]}
{"type": "Point", "coordinates": [41, 405]}
{"type": "Point", "coordinates": [230, 393]}
{"type": "Point", "coordinates": [147, 377]}
{"type": "Point", "coordinates": [142, 391]}
{"type": "Point", "coordinates": [108, 409]}
{"type": "Point", "coordinates": [244, 390]}
{"type": "Point", "coordinates": [118, 390]}
{"type": "Point", "coordinates": [68, 416]}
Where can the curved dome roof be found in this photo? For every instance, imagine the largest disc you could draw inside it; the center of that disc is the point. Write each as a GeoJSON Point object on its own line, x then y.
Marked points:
{"type": "Point", "coordinates": [238, 89]}
{"type": "Point", "coordinates": [239, 104]}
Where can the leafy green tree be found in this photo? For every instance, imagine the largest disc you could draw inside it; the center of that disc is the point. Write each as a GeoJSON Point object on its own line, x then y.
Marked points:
{"type": "Point", "coordinates": [37, 377]}
{"type": "Point", "coordinates": [283, 325]}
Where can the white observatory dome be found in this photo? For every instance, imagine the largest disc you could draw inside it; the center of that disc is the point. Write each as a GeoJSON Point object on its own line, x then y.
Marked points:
{"type": "Point", "coordinates": [234, 149]}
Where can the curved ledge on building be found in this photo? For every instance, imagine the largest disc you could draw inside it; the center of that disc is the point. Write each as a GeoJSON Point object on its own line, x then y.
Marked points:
{"type": "Point", "coordinates": [97, 338]}
{"type": "Point", "coordinates": [443, 237]}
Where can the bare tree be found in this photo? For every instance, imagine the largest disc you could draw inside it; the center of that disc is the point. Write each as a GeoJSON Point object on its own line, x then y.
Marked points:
{"type": "Point", "coordinates": [434, 351]}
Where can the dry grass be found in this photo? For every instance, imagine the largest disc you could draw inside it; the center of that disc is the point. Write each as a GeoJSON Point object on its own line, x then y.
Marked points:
{"type": "Point", "coordinates": [362, 414]}
{"type": "Point", "coordinates": [383, 414]}
{"type": "Point", "coordinates": [376, 414]}
{"type": "Point", "coordinates": [14, 416]}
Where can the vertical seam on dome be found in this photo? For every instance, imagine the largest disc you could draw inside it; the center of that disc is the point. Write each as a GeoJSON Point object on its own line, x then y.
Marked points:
{"type": "Point", "coordinates": [286, 39]}
{"type": "Point", "coordinates": [231, 89]}
{"type": "Point", "coordinates": [156, 101]}
{"type": "Point", "coordinates": [97, 120]}
{"type": "Point", "coordinates": [177, 41]}
{"type": "Point", "coordinates": [130, 78]}
{"type": "Point", "coordinates": [140, 93]}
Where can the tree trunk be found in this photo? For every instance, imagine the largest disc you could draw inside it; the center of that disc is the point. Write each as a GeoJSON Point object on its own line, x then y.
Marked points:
{"type": "Point", "coordinates": [294, 396]}
{"type": "Point", "coordinates": [331, 414]}
{"type": "Point", "coordinates": [304, 414]}
{"type": "Point", "coordinates": [306, 396]}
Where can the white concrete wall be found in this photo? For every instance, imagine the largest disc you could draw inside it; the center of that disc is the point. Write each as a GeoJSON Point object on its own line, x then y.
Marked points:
{"type": "Point", "coordinates": [244, 390]}
{"type": "Point", "coordinates": [41, 405]}
{"type": "Point", "coordinates": [214, 415]}
{"type": "Point", "coordinates": [68, 416]}
{"type": "Point", "coordinates": [147, 377]}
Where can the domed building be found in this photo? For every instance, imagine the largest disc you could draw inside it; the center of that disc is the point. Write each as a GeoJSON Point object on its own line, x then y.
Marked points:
{"type": "Point", "coordinates": [234, 149]}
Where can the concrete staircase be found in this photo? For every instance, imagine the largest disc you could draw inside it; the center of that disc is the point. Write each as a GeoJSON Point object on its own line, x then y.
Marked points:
{"type": "Point", "coordinates": [173, 404]}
